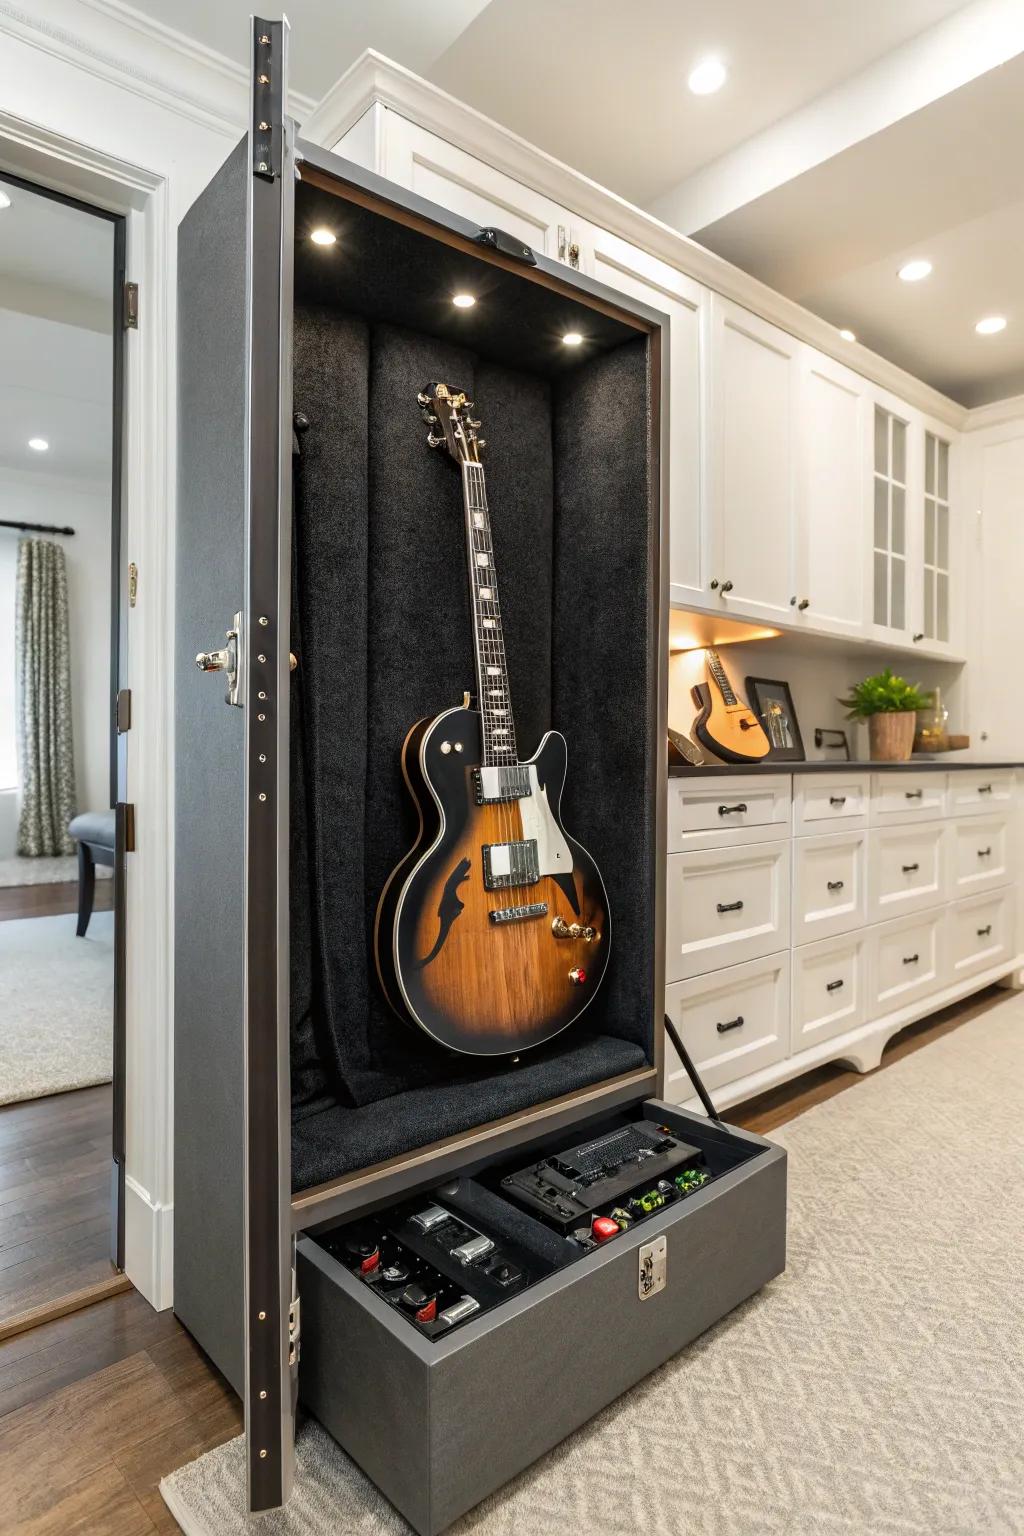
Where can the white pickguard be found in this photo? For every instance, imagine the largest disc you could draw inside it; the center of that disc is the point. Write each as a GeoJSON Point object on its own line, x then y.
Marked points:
{"type": "Point", "coordinates": [553, 854]}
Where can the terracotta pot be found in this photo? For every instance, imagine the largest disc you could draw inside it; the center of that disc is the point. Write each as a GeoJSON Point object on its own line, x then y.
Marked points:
{"type": "Point", "coordinates": [891, 736]}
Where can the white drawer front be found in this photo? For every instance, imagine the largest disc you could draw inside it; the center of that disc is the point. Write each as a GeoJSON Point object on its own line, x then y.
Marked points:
{"type": "Point", "coordinates": [829, 885]}
{"type": "Point", "coordinates": [821, 800]}
{"type": "Point", "coordinates": [906, 869]}
{"type": "Point", "coordinates": [902, 796]}
{"type": "Point", "coordinates": [708, 813]}
{"type": "Point", "coordinates": [829, 989]}
{"type": "Point", "coordinates": [981, 854]}
{"type": "Point", "coordinates": [906, 960]}
{"type": "Point", "coordinates": [973, 793]}
{"type": "Point", "coordinates": [726, 905]}
{"type": "Point", "coordinates": [981, 932]}
{"type": "Point", "coordinates": [732, 1023]}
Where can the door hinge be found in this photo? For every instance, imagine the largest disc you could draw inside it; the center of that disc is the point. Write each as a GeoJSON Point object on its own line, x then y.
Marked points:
{"type": "Point", "coordinates": [294, 1331]}
{"type": "Point", "coordinates": [130, 312]}
{"type": "Point", "coordinates": [129, 827]}
{"type": "Point", "coordinates": [123, 713]}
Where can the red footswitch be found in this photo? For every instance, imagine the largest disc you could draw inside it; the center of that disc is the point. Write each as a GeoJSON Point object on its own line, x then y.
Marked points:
{"type": "Point", "coordinates": [603, 1227]}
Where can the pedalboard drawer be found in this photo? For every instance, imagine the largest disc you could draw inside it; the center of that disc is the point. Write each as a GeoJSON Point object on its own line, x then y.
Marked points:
{"type": "Point", "coordinates": [821, 800]}
{"type": "Point", "coordinates": [829, 885]}
{"type": "Point", "coordinates": [737, 808]}
{"type": "Point", "coordinates": [439, 1418]}
{"type": "Point", "coordinates": [726, 905]}
{"type": "Point", "coordinates": [981, 854]}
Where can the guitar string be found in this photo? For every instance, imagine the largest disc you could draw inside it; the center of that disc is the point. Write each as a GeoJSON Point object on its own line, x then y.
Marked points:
{"type": "Point", "coordinates": [484, 649]}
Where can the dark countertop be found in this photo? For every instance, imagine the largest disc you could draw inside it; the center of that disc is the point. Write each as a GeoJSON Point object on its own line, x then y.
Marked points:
{"type": "Point", "coordinates": [955, 763]}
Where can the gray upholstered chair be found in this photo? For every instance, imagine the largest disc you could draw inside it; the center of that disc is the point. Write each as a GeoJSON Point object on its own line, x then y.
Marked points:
{"type": "Point", "coordinates": [94, 833]}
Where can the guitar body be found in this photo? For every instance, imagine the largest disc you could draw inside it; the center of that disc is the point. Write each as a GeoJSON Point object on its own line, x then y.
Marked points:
{"type": "Point", "coordinates": [479, 984]}
{"type": "Point", "coordinates": [731, 731]}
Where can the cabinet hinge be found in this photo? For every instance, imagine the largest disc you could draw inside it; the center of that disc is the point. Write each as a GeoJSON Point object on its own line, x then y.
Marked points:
{"type": "Point", "coordinates": [129, 827]}
{"type": "Point", "coordinates": [130, 307]}
{"type": "Point", "coordinates": [294, 1331]}
{"type": "Point", "coordinates": [123, 713]}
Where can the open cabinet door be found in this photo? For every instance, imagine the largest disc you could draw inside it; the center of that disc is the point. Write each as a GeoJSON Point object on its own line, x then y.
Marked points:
{"type": "Point", "coordinates": [232, 1088]}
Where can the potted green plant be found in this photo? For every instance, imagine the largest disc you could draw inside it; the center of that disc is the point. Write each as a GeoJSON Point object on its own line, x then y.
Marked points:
{"type": "Point", "coordinates": [889, 704]}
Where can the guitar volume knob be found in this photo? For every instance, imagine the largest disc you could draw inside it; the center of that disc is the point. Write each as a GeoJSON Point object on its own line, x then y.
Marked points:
{"type": "Point", "coordinates": [577, 975]}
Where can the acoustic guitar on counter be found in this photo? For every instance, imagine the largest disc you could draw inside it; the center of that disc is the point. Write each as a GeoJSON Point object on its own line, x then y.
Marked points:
{"type": "Point", "coordinates": [492, 934]}
{"type": "Point", "coordinates": [725, 725]}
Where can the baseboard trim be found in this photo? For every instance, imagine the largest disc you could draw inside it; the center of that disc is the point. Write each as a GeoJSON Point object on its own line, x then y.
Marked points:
{"type": "Point", "coordinates": [149, 1245]}
{"type": "Point", "coordinates": [74, 1301]}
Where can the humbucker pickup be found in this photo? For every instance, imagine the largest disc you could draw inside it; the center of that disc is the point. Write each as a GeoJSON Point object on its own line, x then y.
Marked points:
{"type": "Point", "coordinates": [510, 782]}
{"type": "Point", "coordinates": [510, 864]}
{"type": "Point", "coordinates": [517, 914]}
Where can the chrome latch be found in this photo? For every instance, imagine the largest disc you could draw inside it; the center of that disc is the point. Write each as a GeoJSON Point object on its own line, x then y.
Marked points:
{"type": "Point", "coordinates": [653, 1268]}
{"type": "Point", "coordinates": [230, 659]}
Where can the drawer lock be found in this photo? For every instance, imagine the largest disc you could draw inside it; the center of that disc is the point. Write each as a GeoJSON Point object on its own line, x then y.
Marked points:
{"type": "Point", "coordinates": [735, 1023]}
{"type": "Point", "coordinates": [730, 906]}
{"type": "Point", "coordinates": [653, 1268]}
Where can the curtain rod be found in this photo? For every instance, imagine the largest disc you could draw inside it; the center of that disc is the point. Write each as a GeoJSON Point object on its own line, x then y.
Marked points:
{"type": "Point", "coordinates": [35, 527]}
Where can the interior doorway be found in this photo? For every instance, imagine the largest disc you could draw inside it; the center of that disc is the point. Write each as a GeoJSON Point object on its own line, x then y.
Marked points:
{"type": "Point", "coordinates": [63, 826]}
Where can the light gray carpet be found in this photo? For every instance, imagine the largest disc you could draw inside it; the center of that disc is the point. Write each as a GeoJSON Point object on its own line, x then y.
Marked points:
{"type": "Point", "coordinates": [877, 1386]}
{"type": "Point", "coordinates": [56, 1005]}
{"type": "Point", "coordinates": [44, 871]}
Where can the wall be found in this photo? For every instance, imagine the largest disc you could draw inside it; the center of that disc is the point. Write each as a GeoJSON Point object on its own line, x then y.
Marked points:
{"type": "Point", "coordinates": [818, 675]}
{"type": "Point", "coordinates": [41, 498]}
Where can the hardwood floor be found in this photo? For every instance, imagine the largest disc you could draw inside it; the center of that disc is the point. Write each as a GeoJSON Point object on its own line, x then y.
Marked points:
{"type": "Point", "coordinates": [54, 1201]}
{"type": "Point", "coordinates": [51, 900]}
{"type": "Point", "coordinates": [96, 1408]}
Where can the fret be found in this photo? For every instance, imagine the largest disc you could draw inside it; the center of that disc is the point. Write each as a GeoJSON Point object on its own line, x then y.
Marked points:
{"type": "Point", "coordinates": [499, 746]}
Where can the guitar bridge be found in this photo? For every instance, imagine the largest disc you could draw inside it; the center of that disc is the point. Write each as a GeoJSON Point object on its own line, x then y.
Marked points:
{"type": "Point", "coordinates": [510, 864]}
{"type": "Point", "coordinates": [517, 914]}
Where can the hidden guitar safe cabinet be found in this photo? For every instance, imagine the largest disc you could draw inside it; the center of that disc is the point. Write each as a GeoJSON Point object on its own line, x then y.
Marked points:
{"type": "Point", "coordinates": [452, 1255]}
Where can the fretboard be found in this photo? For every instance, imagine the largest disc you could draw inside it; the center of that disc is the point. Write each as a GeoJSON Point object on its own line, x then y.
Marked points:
{"type": "Point", "coordinates": [718, 673]}
{"type": "Point", "coordinates": [491, 671]}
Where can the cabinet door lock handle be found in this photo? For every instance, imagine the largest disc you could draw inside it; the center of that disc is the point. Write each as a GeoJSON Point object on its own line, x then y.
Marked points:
{"type": "Point", "coordinates": [911, 959]}
{"type": "Point", "coordinates": [833, 986]}
{"type": "Point", "coordinates": [983, 853]}
{"type": "Point", "coordinates": [983, 933]}
{"type": "Point", "coordinates": [911, 869]}
{"type": "Point", "coordinates": [730, 906]}
{"type": "Point", "coordinates": [835, 885]}
{"type": "Point", "coordinates": [733, 810]}
{"type": "Point", "coordinates": [735, 1023]}
{"type": "Point", "coordinates": [914, 794]}
{"type": "Point", "coordinates": [837, 799]}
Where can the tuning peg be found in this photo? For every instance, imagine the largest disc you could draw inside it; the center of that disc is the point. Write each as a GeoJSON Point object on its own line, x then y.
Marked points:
{"type": "Point", "coordinates": [430, 418]}
{"type": "Point", "coordinates": [434, 440]}
{"type": "Point", "coordinates": [481, 442]}
{"type": "Point", "coordinates": [473, 424]}
{"type": "Point", "coordinates": [423, 398]}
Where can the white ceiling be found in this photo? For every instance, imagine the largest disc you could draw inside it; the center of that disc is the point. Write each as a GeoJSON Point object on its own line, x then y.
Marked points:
{"type": "Point", "coordinates": [946, 183]}
{"type": "Point", "coordinates": [56, 310]}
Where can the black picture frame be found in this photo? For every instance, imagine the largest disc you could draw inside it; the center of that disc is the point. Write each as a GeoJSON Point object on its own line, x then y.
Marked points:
{"type": "Point", "coordinates": [762, 693]}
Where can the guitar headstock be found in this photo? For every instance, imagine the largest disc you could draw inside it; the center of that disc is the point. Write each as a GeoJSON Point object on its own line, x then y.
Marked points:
{"type": "Point", "coordinates": [449, 415]}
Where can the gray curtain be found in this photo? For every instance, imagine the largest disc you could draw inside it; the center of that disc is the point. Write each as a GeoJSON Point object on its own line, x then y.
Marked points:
{"type": "Point", "coordinates": [46, 761]}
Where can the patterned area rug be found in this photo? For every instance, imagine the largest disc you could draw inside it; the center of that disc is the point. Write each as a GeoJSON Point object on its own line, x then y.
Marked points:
{"type": "Point", "coordinates": [56, 1005]}
{"type": "Point", "coordinates": [44, 871]}
{"type": "Point", "coordinates": [876, 1386]}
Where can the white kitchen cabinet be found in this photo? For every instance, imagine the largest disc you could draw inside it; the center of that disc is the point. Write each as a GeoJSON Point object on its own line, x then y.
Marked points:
{"type": "Point", "coordinates": [726, 905]}
{"type": "Point", "coordinates": [640, 276]}
{"type": "Point", "coordinates": [752, 479]}
{"type": "Point", "coordinates": [890, 556]}
{"type": "Point", "coordinates": [834, 448]}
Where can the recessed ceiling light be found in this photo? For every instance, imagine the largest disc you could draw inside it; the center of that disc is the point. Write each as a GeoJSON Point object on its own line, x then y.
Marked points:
{"type": "Point", "coordinates": [39, 444]}
{"type": "Point", "coordinates": [990, 325]}
{"type": "Point", "coordinates": [913, 271]}
{"type": "Point", "coordinates": [848, 335]}
{"type": "Point", "coordinates": [323, 237]}
{"type": "Point", "coordinates": [463, 300]}
{"type": "Point", "coordinates": [5, 201]}
{"type": "Point", "coordinates": [707, 77]}
{"type": "Point", "coordinates": [572, 338]}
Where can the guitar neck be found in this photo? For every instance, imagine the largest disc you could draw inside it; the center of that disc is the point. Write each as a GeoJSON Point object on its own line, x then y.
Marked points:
{"type": "Point", "coordinates": [499, 734]}
{"type": "Point", "coordinates": [718, 672]}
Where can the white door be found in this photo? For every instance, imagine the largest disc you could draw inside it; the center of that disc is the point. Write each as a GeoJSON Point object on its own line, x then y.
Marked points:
{"type": "Point", "coordinates": [448, 175]}
{"type": "Point", "coordinates": [937, 615]}
{"type": "Point", "coordinates": [993, 637]}
{"type": "Point", "coordinates": [640, 276]}
{"type": "Point", "coordinates": [834, 452]}
{"type": "Point", "coordinates": [754, 391]}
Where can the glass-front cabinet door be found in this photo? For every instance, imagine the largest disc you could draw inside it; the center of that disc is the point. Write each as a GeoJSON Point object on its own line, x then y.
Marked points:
{"type": "Point", "coordinates": [889, 552]}
{"type": "Point", "coordinates": [936, 608]}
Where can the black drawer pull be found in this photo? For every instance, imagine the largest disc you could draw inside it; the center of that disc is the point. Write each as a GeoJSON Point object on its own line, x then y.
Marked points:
{"type": "Point", "coordinates": [730, 1024]}
{"type": "Point", "coordinates": [835, 885]}
{"type": "Point", "coordinates": [837, 799]}
{"type": "Point", "coordinates": [983, 933]}
{"type": "Point", "coordinates": [911, 959]}
{"type": "Point", "coordinates": [914, 794]}
{"type": "Point", "coordinates": [730, 906]}
{"type": "Point", "coordinates": [732, 810]}
{"type": "Point", "coordinates": [984, 789]}
{"type": "Point", "coordinates": [984, 853]}
{"type": "Point", "coordinates": [833, 986]}
{"type": "Point", "coordinates": [911, 869]}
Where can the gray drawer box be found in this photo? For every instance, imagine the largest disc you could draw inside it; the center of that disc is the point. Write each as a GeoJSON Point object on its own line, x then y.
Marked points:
{"type": "Point", "coordinates": [440, 1424]}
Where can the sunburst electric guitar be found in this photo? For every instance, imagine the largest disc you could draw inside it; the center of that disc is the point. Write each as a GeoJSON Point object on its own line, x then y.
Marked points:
{"type": "Point", "coordinates": [725, 725]}
{"type": "Point", "coordinates": [492, 934]}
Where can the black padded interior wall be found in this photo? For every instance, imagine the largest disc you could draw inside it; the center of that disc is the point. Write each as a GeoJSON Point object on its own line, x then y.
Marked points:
{"type": "Point", "coordinates": [382, 628]}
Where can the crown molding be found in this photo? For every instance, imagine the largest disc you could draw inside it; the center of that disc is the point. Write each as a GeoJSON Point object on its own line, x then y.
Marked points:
{"type": "Point", "coordinates": [117, 44]}
{"type": "Point", "coordinates": [998, 414]}
{"type": "Point", "coordinates": [374, 79]}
